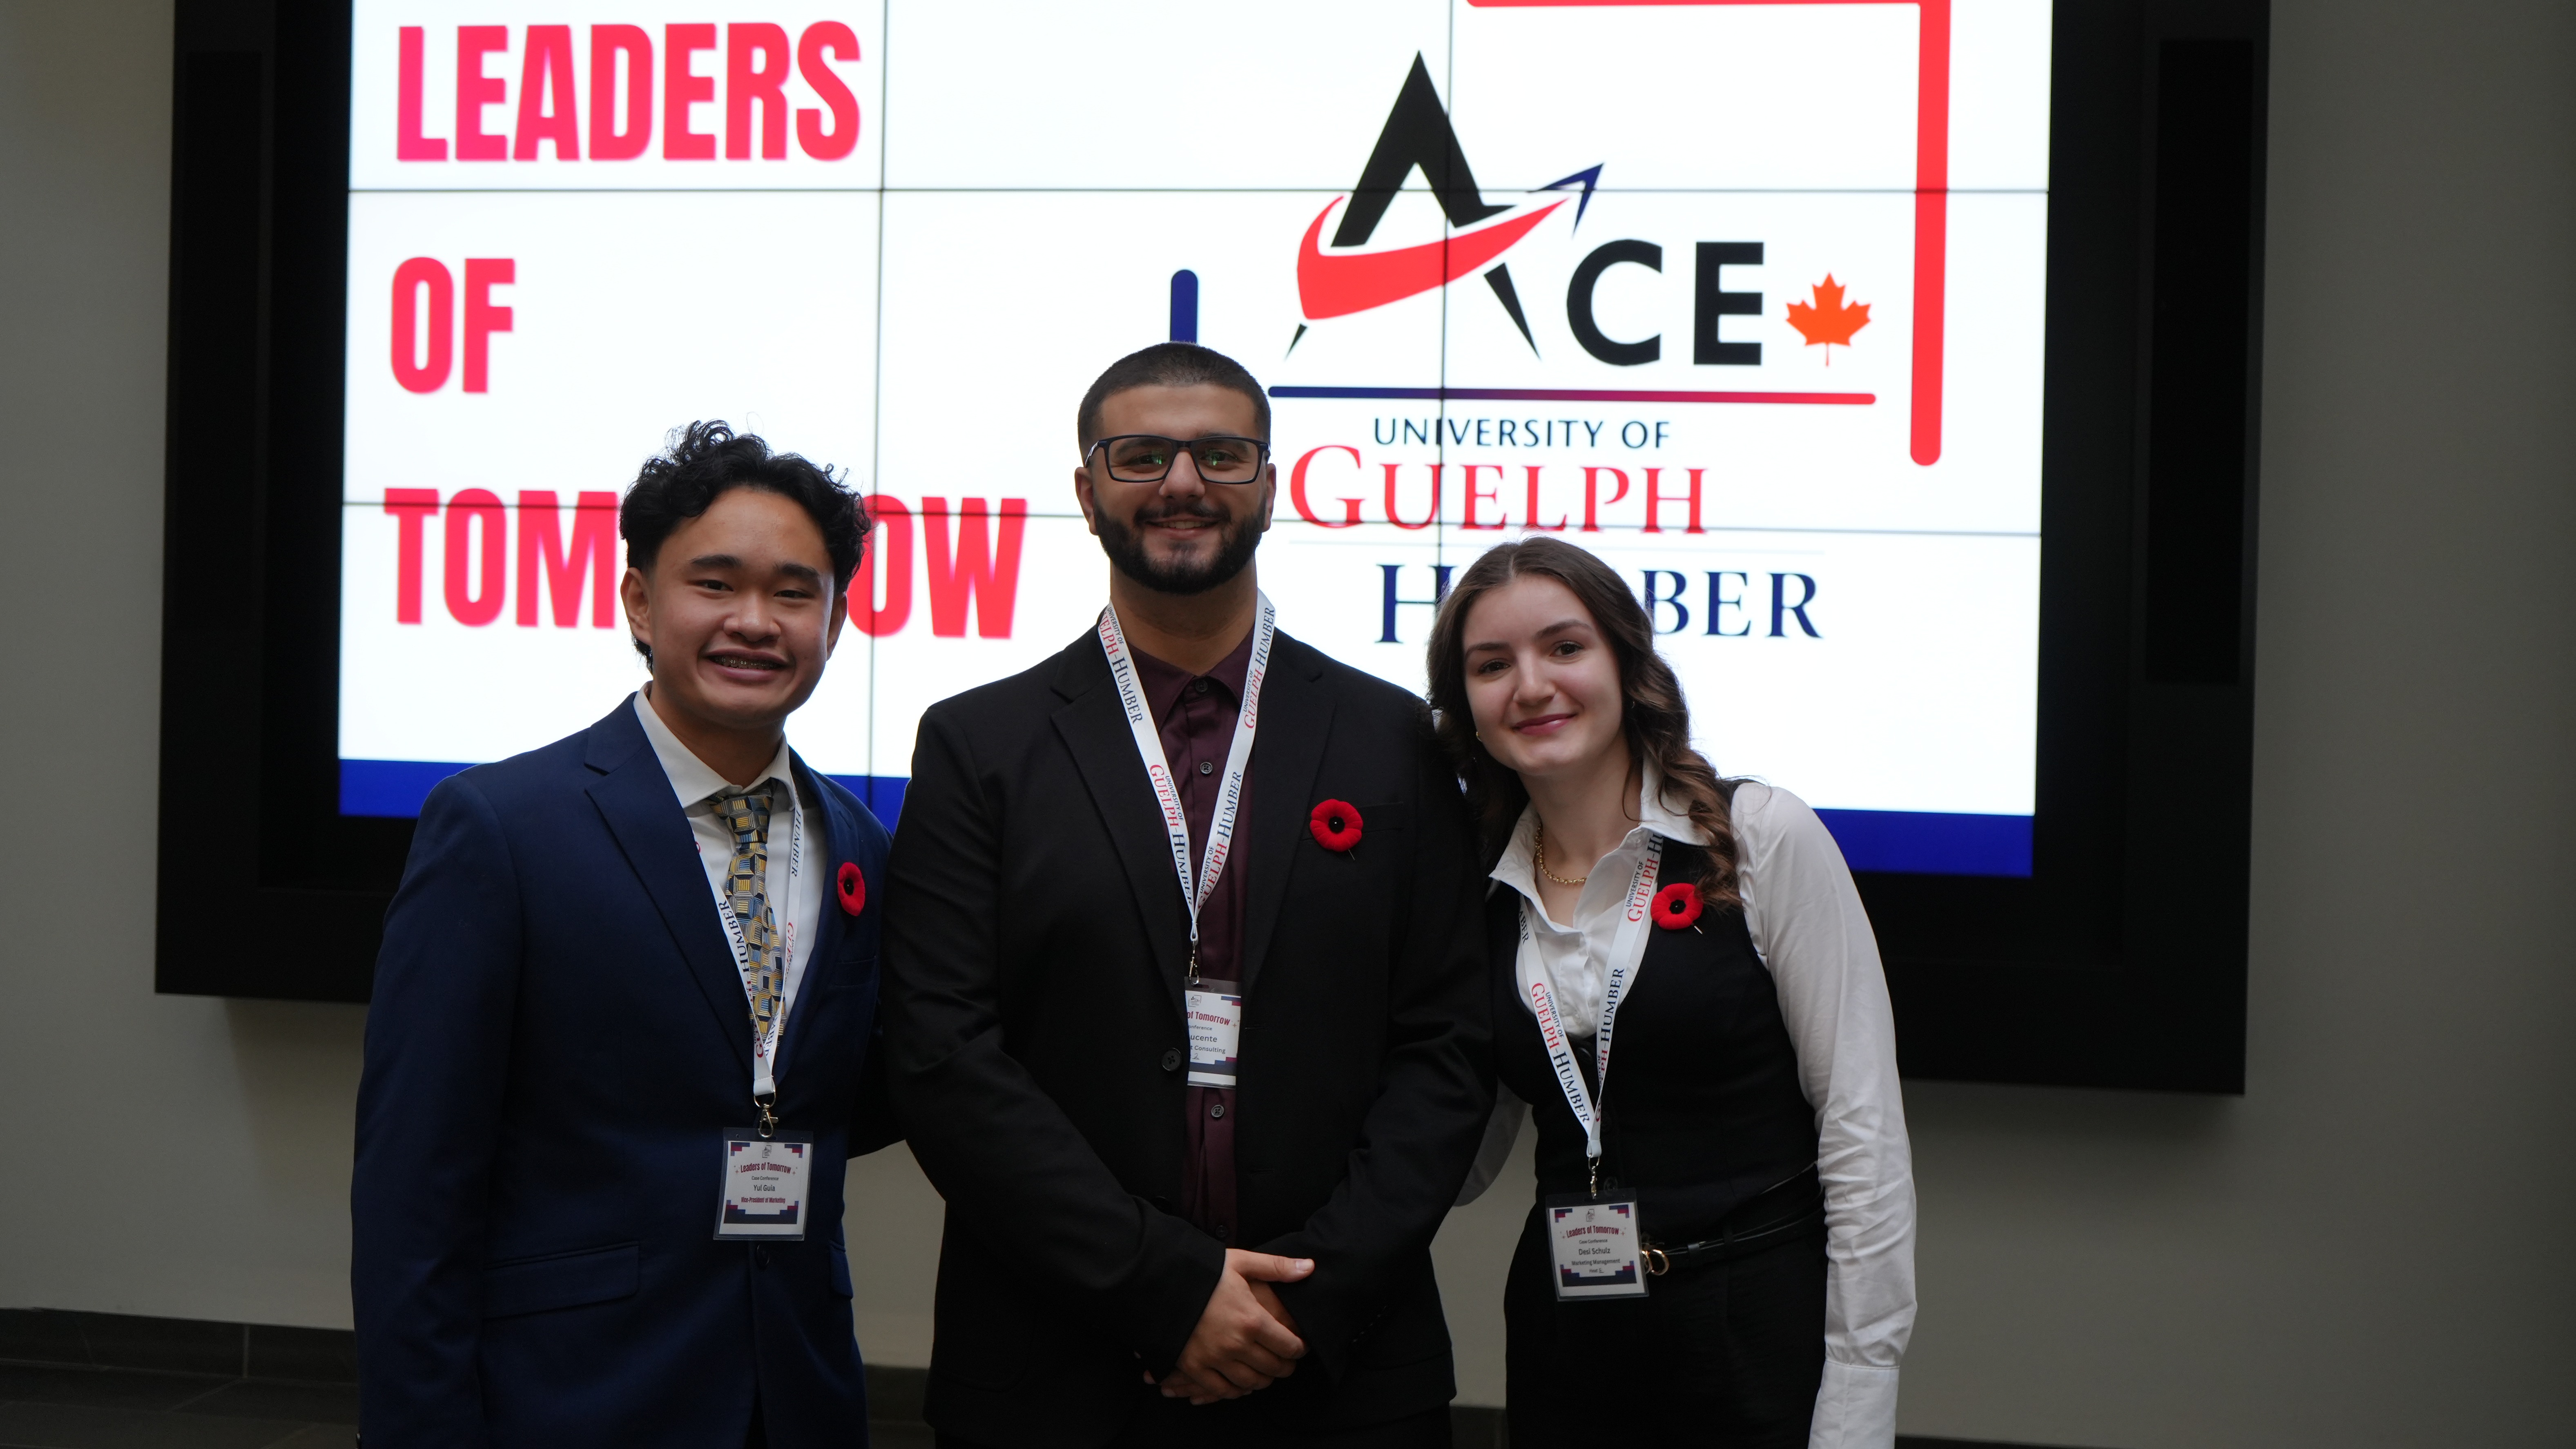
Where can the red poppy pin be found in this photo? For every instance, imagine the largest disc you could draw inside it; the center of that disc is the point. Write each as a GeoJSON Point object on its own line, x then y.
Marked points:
{"type": "Point", "coordinates": [1676, 905]}
{"type": "Point", "coordinates": [1335, 825]}
{"type": "Point", "coordinates": [853, 886]}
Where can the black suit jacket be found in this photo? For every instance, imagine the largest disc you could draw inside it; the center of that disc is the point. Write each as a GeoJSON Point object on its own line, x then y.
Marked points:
{"type": "Point", "coordinates": [1035, 944]}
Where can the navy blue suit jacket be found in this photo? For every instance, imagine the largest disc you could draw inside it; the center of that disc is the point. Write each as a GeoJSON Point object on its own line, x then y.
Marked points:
{"type": "Point", "coordinates": [557, 1043]}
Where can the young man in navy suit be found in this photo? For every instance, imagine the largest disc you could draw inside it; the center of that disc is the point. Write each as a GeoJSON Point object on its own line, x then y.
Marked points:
{"type": "Point", "coordinates": [623, 1029]}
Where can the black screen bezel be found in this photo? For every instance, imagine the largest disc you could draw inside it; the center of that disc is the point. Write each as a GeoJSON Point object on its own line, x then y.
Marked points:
{"type": "Point", "coordinates": [2120, 962]}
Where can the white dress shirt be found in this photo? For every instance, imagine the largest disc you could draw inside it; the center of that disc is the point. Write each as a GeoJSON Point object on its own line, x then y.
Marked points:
{"type": "Point", "coordinates": [796, 895]}
{"type": "Point", "coordinates": [1809, 929]}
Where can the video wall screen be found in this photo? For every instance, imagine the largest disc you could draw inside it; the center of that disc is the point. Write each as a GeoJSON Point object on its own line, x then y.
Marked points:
{"type": "Point", "coordinates": [1748, 298]}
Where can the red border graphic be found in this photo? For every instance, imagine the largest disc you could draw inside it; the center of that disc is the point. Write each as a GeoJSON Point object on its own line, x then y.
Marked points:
{"type": "Point", "coordinates": [1931, 187]}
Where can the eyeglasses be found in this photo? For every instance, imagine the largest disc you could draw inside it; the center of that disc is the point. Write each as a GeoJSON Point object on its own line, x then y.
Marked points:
{"type": "Point", "coordinates": [1146, 458]}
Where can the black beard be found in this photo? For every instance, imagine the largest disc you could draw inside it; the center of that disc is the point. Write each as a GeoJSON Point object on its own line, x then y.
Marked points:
{"type": "Point", "coordinates": [1126, 550]}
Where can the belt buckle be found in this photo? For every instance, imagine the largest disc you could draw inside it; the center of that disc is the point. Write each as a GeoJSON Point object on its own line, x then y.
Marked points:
{"type": "Point", "coordinates": [1658, 1263]}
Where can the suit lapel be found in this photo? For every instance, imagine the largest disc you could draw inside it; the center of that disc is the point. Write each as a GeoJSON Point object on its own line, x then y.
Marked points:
{"type": "Point", "coordinates": [1288, 753]}
{"type": "Point", "coordinates": [634, 797]}
{"type": "Point", "coordinates": [837, 840]}
{"type": "Point", "coordinates": [1094, 728]}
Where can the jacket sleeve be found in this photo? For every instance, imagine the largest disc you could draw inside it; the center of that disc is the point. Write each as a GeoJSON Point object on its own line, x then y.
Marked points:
{"type": "Point", "coordinates": [1435, 1093]}
{"type": "Point", "coordinates": [997, 1147]}
{"type": "Point", "coordinates": [873, 1124]}
{"type": "Point", "coordinates": [429, 1108]}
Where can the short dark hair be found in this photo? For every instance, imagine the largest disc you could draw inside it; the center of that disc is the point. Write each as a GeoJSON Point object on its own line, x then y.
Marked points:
{"type": "Point", "coordinates": [1169, 364]}
{"type": "Point", "coordinates": [706, 460]}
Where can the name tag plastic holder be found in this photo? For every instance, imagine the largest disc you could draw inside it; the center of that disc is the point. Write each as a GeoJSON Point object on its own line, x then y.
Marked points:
{"type": "Point", "coordinates": [765, 1180]}
{"type": "Point", "coordinates": [1597, 1245]}
{"type": "Point", "coordinates": [1215, 1010]}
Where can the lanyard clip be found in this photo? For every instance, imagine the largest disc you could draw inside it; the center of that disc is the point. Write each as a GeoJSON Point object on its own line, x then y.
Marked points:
{"type": "Point", "coordinates": [768, 1118]}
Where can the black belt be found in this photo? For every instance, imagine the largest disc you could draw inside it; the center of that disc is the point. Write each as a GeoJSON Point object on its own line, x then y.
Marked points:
{"type": "Point", "coordinates": [1733, 1242]}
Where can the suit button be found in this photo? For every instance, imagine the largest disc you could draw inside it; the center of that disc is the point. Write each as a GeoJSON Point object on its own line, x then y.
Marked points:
{"type": "Point", "coordinates": [1172, 1059]}
{"type": "Point", "coordinates": [760, 1257]}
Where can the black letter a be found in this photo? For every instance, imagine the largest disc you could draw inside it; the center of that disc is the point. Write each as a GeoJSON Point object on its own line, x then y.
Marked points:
{"type": "Point", "coordinates": [1417, 134]}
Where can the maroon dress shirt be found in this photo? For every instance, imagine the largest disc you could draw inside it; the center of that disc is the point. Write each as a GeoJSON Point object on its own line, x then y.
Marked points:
{"type": "Point", "coordinates": [1196, 714]}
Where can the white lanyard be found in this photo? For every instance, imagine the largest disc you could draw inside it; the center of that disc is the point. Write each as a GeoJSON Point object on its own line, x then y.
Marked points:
{"type": "Point", "coordinates": [764, 1046]}
{"type": "Point", "coordinates": [1196, 886]}
{"type": "Point", "coordinates": [1627, 952]}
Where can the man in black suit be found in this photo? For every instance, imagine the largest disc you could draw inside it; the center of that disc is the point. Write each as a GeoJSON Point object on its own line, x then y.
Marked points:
{"type": "Point", "coordinates": [1097, 881]}
{"type": "Point", "coordinates": [627, 975]}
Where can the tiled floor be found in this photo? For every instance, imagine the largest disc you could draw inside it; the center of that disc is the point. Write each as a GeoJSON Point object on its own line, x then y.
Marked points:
{"type": "Point", "coordinates": [45, 1407]}
{"type": "Point", "coordinates": [80, 1380]}
{"type": "Point", "coordinates": [88, 1408]}
{"type": "Point", "coordinates": [48, 1407]}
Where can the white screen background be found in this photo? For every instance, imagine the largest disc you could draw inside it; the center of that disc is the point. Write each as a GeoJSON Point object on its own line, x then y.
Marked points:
{"type": "Point", "coordinates": [925, 312]}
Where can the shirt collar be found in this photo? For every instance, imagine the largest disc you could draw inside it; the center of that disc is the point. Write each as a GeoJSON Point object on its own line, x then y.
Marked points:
{"type": "Point", "coordinates": [691, 778]}
{"type": "Point", "coordinates": [1518, 867]}
{"type": "Point", "coordinates": [1163, 683]}
{"type": "Point", "coordinates": [1654, 814]}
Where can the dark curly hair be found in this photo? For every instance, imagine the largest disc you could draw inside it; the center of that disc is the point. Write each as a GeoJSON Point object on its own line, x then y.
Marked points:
{"type": "Point", "coordinates": [1654, 718]}
{"type": "Point", "coordinates": [706, 460]}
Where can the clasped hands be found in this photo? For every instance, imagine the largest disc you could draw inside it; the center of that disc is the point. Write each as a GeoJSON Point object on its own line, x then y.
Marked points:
{"type": "Point", "coordinates": [1246, 1339]}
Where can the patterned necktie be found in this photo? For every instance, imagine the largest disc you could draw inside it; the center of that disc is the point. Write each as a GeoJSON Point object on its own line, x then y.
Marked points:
{"type": "Point", "coordinates": [747, 892]}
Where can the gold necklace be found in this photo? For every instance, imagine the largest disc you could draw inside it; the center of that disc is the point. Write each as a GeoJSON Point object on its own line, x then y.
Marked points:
{"type": "Point", "coordinates": [1540, 851]}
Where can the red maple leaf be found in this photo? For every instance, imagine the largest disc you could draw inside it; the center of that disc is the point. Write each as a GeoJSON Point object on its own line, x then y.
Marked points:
{"type": "Point", "coordinates": [1829, 321]}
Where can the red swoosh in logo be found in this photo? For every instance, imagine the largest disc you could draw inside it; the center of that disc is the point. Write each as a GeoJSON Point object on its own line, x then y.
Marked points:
{"type": "Point", "coordinates": [1336, 286]}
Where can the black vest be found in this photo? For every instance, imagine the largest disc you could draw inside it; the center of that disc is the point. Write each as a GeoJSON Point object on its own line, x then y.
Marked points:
{"type": "Point", "coordinates": [1706, 1110]}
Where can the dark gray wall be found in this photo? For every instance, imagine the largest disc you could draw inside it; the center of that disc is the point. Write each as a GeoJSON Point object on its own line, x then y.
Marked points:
{"type": "Point", "coordinates": [2370, 1248]}
{"type": "Point", "coordinates": [210, 1141]}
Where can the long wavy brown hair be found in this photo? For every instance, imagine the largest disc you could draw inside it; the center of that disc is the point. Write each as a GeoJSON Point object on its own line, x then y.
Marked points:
{"type": "Point", "coordinates": [1654, 718]}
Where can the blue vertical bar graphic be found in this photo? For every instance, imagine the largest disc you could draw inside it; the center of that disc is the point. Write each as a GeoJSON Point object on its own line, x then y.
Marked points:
{"type": "Point", "coordinates": [1185, 306]}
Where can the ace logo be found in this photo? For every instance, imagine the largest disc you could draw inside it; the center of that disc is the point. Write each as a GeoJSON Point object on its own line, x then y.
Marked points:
{"type": "Point", "coordinates": [1488, 238]}
{"type": "Point", "coordinates": [1418, 136]}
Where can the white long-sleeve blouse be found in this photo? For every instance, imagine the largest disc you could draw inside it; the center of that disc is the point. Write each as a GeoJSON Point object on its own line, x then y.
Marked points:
{"type": "Point", "coordinates": [1805, 917]}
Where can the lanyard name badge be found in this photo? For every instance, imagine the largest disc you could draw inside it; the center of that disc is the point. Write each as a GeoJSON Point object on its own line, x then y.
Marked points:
{"type": "Point", "coordinates": [1213, 1009]}
{"type": "Point", "coordinates": [1598, 1242]}
{"type": "Point", "coordinates": [766, 1168]}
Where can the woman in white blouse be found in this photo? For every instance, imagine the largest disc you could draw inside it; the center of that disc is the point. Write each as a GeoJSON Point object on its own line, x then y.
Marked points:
{"type": "Point", "coordinates": [1725, 1254]}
